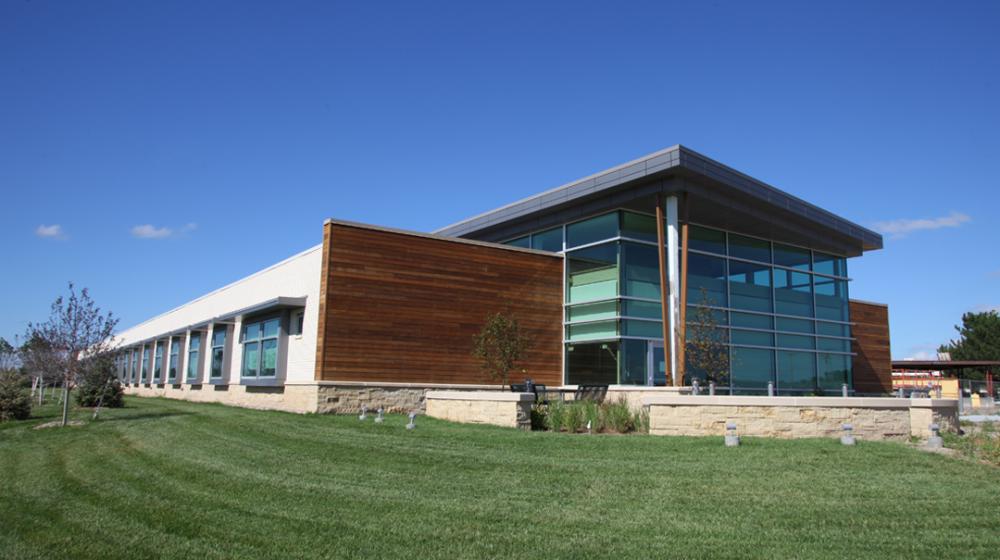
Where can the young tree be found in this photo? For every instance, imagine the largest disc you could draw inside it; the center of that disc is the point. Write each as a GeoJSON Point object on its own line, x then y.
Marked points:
{"type": "Point", "coordinates": [979, 338]}
{"type": "Point", "coordinates": [706, 353]}
{"type": "Point", "coordinates": [75, 331]}
{"type": "Point", "coordinates": [500, 345]}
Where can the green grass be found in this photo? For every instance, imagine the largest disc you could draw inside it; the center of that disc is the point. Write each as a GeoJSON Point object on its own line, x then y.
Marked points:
{"type": "Point", "coordinates": [169, 479]}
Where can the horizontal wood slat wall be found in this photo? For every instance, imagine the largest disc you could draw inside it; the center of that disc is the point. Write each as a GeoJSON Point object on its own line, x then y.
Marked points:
{"type": "Point", "coordinates": [406, 307]}
{"type": "Point", "coordinates": [872, 365]}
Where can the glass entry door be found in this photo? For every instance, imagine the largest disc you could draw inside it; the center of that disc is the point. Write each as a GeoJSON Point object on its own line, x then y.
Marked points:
{"type": "Point", "coordinates": [656, 365]}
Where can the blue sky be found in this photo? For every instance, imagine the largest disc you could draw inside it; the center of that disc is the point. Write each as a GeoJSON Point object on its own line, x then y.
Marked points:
{"type": "Point", "coordinates": [155, 151]}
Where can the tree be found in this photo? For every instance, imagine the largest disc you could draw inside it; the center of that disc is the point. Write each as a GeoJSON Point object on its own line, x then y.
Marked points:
{"type": "Point", "coordinates": [706, 353]}
{"type": "Point", "coordinates": [75, 331]}
{"type": "Point", "coordinates": [500, 345]}
{"type": "Point", "coordinates": [978, 338]}
{"type": "Point", "coordinates": [98, 385]}
{"type": "Point", "coordinates": [8, 356]}
{"type": "Point", "coordinates": [15, 403]}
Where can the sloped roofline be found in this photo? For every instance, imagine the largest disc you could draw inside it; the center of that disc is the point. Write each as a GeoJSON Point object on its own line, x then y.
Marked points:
{"type": "Point", "coordinates": [677, 157]}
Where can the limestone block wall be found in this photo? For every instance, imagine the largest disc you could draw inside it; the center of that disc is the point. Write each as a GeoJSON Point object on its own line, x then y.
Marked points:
{"type": "Point", "coordinates": [799, 417]}
{"type": "Point", "coordinates": [289, 398]}
{"type": "Point", "coordinates": [512, 410]}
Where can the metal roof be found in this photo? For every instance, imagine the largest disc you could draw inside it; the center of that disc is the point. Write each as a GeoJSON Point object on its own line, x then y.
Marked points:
{"type": "Point", "coordinates": [721, 192]}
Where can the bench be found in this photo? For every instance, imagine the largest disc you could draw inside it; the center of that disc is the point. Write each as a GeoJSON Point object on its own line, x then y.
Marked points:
{"type": "Point", "coordinates": [594, 393]}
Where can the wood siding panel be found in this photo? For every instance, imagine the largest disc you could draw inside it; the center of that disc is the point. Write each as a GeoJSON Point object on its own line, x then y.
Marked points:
{"type": "Point", "coordinates": [872, 364]}
{"type": "Point", "coordinates": [404, 308]}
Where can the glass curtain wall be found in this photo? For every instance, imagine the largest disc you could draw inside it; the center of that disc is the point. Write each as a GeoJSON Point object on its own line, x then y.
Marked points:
{"type": "Point", "coordinates": [612, 307]}
{"type": "Point", "coordinates": [779, 311]}
{"type": "Point", "coordinates": [785, 309]}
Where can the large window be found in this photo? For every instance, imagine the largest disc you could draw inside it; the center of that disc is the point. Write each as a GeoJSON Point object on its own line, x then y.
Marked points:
{"type": "Point", "coordinates": [592, 273]}
{"type": "Point", "coordinates": [134, 377]}
{"type": "Point", "coordinates": [592, 230]}
{"type": "Point", "coordinates": [158, 363]}
{"type": "Point", "coordinates": [260, 348]}
{"type": "Point", "coordinates": [640, 271]}
{"type": "Point", "coordinates": [175, 354]}
{"type": "Point", "coordinates": [782, 310]}
{"type": "Point", "coordinates": [193, 357]}
{"type": "Point", "coordinates": [218, 351]}
{"type": "Point", "coordinates": [592, 363]}
{"type": "Point", "coordinates": [145, 364]}
{"type": "Point", "coordinates": [789, 320]}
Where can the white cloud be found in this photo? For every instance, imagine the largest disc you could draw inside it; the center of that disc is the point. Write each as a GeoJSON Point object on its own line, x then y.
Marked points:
{"type": "Point", "coordinates": [897, 229]}
{"type": "Point", "coordinates": [149, 231]}
{"type": "Point", "coordinates": [922, 355]}
{"type": "Point", "coordinates": [54, 231]}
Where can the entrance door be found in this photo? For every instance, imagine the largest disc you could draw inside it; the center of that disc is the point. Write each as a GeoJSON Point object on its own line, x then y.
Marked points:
{"type": "Point", "coordinates": [656, 365]}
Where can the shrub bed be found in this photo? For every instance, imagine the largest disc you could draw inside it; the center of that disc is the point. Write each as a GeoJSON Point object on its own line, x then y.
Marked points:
{"type": "Point", "coordinates": [588, 416]}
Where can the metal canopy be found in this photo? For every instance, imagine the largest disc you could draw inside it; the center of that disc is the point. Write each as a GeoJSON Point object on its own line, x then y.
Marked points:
{"type": "Point", "coordinates": [719, 195]}
{"type": "Point", "coordinates": [942, 365]}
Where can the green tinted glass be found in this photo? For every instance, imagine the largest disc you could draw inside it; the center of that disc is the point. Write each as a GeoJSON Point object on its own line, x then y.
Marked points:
{"type": "Point", "coordinates": [639, 226]}
{"type": "Point", "coordinates": [592, 331]}
{"type": "Point", "coordinates": [749, 248]}
{"type": "Point", "coordinates": [548, 240]}
{"type": "Point", "coordinates": [708, 240]}
{"type": "Point", "coordinates": [594, 229]}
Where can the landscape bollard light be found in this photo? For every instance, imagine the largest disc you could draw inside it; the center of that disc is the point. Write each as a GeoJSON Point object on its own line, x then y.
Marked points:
{"type": "Point", "coordinates": [935, 441]}
{"type": "Point", "coordinates": [937, 392]}
{"type": "Point", "coordinates": [381, 416]}
{"type": "Point", "coordinates": [695, 388]}
{"type": "Point", "coordinates": [364, 413]}
{"type": "Point", "coordinates": [588, 427]}
{"type": "Point", "coordinates": [901, 394]}
{"type": "Point", "coordinates": [848, 437]}
{"type": "Point", "coordinates": [843, 390]}
{"type": "Point", "coordinates": [412, 424]}
{"type": "Point", "coordinates": [711, 388]}
{"type": "Point", "coordinates": [732, 440]}
{"type": "Point", "coordinates": [770, 388]}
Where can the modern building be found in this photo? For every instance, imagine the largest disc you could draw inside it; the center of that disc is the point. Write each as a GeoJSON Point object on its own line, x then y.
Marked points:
{"type": "Point", "coordinates": [751, 276]}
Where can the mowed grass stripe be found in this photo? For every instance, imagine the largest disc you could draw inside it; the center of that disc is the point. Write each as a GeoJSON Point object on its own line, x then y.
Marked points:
{"type": "Point", "coordinates": [174, 480]}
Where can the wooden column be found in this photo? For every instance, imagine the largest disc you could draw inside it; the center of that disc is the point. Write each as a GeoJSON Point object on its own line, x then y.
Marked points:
{"type": "Point", "coordinates": [664, 311]}
{"type": "Point", "coordinates": [682, 312]}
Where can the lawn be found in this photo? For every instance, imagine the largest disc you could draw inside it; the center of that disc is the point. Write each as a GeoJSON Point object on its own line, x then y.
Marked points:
{"type": "Point", "coordinates": [169, 479]}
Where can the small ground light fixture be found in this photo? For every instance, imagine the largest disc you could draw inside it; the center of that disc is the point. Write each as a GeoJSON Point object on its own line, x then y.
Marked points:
{"type": "Point", "coordinates": [381, 416]}
{"type": "Point", "coordinates": [935, 441]}
{"type": "Point", "coordinates": [364, 413]}
{"type": "Point", "coordinates": [848, 436]}
{"type": "Point", "coordinates": [412, 424]}
{"type": "Point", "coordinates": [732, 440]}
{"type": "Point", "coordinates": [588, 427]}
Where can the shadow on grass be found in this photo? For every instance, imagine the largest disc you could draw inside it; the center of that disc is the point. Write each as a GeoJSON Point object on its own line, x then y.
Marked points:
{"type": "Point", "coordinates": [140, 416]}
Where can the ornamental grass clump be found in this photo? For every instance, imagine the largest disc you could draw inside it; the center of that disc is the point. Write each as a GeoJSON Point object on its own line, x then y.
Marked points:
{"type": "Point", "coordinates": [618, 416]}
{"type": "Point", "coordinates": [574, 417]}
{"type": "Point", "coordinates": [556, 416]}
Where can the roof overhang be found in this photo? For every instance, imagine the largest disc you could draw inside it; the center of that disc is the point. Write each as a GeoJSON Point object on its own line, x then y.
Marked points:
{"type": "Point", "coordinates": [719, 196]}
{"type": "Point", "coordinates": [273, 304]}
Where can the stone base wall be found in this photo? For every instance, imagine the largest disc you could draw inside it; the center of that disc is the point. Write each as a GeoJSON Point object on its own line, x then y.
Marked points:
{"type": "Point", "coordinates": [289, 398]}
{"type": "Point", "coordinates": [341, 399]}
{"type": "Point", "coordinates": [323, 397]}
{"type": "Point", "coordinates": [512, 410]}
{"type": "Point", "coordinates": [800, 417]}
